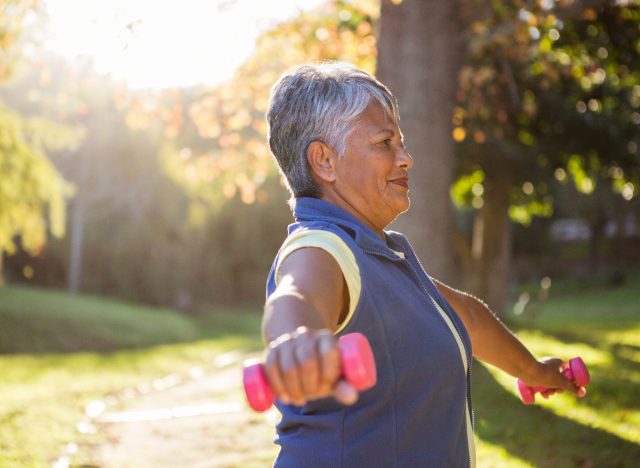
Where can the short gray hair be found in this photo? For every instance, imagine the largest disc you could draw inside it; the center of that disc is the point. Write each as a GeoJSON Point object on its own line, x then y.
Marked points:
{"type": "Point", "coordinates": [318, 102]}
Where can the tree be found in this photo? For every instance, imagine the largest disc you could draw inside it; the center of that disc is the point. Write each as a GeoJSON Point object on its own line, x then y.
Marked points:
{"type": "Point", "coordinates": [32, 192]}
{"type": "Point", "coordinates": [419, 59]}
{"type": "Point", "coordinates": [547, 90]}
{"type": "Point", "coordinates": [541, 88]}
{"type": "Point", "coordinates": [201, 213]}
{"type": "Point", "coordinates": [230, 118]}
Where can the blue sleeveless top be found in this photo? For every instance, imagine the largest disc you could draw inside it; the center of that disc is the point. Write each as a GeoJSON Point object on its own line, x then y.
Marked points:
{"type": "Point", "coordinates": [418, 413]}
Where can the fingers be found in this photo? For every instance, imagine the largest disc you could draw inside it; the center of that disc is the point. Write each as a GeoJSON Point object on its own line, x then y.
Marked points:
{"type": "Point", "coordinates": [272, 368]}
{"type": "Point", "coordinates": [342, 390]}
{"type": "Point", "coordinates": [554, 379]}
{"type": "Point", "coordinates": [305, 365]}
{"type": "Point", "coordinates": [345, 393]}
{"type": "Point", "coordinates": [291, 374]}
{"type": "Point", "coordinates": [330, 364]}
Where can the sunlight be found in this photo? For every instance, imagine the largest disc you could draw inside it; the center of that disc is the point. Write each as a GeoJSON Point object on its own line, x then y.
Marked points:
{"type": "Point", "coordinates": [160, 44]}
{"type": "Point", "coordinates": [621, 422]}
{"type": "Point", "coordinates": [498, 456]}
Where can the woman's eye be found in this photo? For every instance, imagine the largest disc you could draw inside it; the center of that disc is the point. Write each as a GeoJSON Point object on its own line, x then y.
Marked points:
{"type": "Point", "coordinates": [387, 142]}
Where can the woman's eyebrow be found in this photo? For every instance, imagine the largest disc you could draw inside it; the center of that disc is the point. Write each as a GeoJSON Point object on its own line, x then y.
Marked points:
{"type": "Point", "coordinates": [384, 130]}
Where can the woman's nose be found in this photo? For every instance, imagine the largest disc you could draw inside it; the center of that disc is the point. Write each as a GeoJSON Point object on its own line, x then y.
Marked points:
{"type": "Point", "coordinates": [404, 159]}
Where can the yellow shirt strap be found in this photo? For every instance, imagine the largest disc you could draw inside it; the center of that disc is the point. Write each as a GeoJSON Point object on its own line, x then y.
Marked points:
{"type": "Point", "coordinates": [338, 249]}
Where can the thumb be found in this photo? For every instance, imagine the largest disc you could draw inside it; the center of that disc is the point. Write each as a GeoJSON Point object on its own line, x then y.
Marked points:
{"type": "Point", "coordinates": [568, 384]}
{"type": "Point", "coordinates": [345, 393]}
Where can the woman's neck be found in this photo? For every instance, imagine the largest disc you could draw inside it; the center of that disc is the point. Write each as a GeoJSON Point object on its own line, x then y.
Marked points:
{"type": "Point", "coordinates": [346, 206]}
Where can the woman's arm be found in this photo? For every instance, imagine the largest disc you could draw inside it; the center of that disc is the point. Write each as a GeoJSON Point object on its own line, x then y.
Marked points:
{"type": "Point", "coordinates": [494, 343]}
{"type": "Point", "coordinates": [300, 316]}
{"type": "Point", "coordinates": [310, 293]}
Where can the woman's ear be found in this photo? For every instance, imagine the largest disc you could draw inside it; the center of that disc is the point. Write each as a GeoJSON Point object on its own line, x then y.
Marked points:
{"type": "Point", "coordinates": [321, 159]}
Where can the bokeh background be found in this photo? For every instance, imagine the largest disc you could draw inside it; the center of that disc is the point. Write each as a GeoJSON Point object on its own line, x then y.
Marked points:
{"type": "Point", "coordinates": [140, 208]}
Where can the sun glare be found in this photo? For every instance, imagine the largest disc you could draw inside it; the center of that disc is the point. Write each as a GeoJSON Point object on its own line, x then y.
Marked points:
{"type": "Point", "coordinates": [152, 44]}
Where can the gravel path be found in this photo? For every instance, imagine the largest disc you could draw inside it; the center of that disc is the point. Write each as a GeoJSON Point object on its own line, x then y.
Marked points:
{"type": "Point", "coordinates": [200, 422]}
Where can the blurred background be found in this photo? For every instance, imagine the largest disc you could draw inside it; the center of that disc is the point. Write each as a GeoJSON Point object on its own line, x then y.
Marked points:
{"type": "Point", "coordinates": [140, 208]}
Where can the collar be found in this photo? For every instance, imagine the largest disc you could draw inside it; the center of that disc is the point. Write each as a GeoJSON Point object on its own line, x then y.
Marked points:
{"type": "Point", "coordinates": [315, 209]}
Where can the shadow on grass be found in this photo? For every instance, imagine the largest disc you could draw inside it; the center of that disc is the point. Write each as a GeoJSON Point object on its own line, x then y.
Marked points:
{"type": "Point", "coordinates": [541, 437]}
{"type": "Point", "coordinates": [614, 381]}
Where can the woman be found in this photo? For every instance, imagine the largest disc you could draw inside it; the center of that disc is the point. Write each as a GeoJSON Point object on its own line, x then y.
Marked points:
{"type": "Point", "coordinates": [333, 130]}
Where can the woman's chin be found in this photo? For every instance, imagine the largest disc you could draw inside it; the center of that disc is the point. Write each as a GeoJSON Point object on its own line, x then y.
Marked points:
{"type": "Point", "coordinates": [403, 204]}
{"type": "Point", "coordinates": [399, 207]}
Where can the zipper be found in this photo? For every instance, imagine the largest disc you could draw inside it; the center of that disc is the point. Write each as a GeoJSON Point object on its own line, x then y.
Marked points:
{"type": "Point", "coordinates": [426, 286]}
{"type": "Point", "coordinates": [435, 294]}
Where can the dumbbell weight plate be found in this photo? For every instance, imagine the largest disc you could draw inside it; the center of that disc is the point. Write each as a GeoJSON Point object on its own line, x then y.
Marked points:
{"type": "Point", "coordinates": [358, 365]}
{"type": "Point", "coordinates": [580, 372]}
{"type": "Point", "coordinates": [526, 393]}
{"type": "Point", "coordinates": [256, 386]}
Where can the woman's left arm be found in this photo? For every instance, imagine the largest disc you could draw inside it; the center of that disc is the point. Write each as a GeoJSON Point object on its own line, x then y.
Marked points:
{"type": "Point", "coordinates": [494, 343]}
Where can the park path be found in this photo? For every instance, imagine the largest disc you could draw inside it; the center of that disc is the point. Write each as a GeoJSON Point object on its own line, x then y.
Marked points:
{"type": "Point", "coordinates": [199, 422]}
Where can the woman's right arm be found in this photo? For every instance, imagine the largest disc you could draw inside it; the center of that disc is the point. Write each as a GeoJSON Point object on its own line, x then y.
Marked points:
{"type": "Point", "coordinates": [300, 317]}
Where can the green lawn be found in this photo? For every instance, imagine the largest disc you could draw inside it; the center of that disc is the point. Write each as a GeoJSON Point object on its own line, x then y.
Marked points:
{"type": "Point", "coordinates": [602, 325]}
{"type": "Point", "coordinates": [43, 393]}
{"type": "Point", "coordinates": [59, 352]}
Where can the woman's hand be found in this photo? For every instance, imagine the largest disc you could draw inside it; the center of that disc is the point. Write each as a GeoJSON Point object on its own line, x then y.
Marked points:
{"type": "Point", "coordinates": [548, 373]}
{"type": "Point", "coordinates": [305, 365]}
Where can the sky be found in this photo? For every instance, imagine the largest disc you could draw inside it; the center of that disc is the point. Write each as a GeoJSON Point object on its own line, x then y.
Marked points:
{"type": "Point", "coordinates": [164, 43]}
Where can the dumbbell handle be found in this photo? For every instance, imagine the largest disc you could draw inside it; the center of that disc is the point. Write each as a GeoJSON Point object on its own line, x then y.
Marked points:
{"type": "Point", "coordinates": [358, 368]}
{"type": "Point", "coordinates": [575, 370]}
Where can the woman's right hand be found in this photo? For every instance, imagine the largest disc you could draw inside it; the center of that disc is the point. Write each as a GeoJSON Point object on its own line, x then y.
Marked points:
{"type": "Point", "coordinates": [305, 365]}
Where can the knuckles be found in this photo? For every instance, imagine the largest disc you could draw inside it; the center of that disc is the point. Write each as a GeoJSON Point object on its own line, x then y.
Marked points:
{"type": "Point", "coordinates": [300, 364]}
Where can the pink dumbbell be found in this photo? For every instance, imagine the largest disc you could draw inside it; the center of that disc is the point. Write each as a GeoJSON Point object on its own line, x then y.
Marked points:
{"type": "Point", "coordinates": [358, 368]}
{"type": "Point", "coordinates": [575, 370]}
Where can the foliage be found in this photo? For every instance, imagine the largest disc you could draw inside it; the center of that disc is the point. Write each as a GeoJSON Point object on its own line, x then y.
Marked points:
{"type": "Point", "coordinates": [32, 192]}
{"type": "Point", "coordinates": [551, 88]}
{"type": "Point", "coordinates": [183, 202]}
{"type": "Point", "coordinates": [225, 155]}
{"type": "Point", "coordinates": [188, 186]}
{"type": "Point", "coordinates": [149, 233]}
{"type": "Point", "coordinates": [31, 189]}
{"type": "Point", "coordinates": [231, 161]}
{"type": "Point", "coordinates": [17, 18]}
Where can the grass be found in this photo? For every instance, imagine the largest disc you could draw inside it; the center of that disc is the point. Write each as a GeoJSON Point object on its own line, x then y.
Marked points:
{"type": "Point", "coordinates": [600, 324]}
{"type": "Point", "coordinates": [45, 383]}
{"type": "Point", "coordinates": [43, 393]}
{"type": "Point", "coordinates": [35, 320]}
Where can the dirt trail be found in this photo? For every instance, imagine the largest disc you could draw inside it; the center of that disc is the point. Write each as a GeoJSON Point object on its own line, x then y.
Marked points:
{"type": "Point", "coordinates": [201, 422]}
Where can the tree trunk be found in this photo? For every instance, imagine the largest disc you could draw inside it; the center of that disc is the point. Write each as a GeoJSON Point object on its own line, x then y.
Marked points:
{"type": "Point", "coordinates": [419, 58]}
{"type": "Point", "coordinates": [491, 244]}
{"type": "Point", "coordinates": [76, 238]}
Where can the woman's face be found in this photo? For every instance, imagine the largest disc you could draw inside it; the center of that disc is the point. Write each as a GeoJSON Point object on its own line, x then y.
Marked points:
{"type": "Point", "coordinates": [371, 176]}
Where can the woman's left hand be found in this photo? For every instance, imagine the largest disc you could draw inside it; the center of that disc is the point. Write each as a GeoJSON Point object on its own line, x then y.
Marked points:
{"type": "Point", "coordinates": [548, 373]}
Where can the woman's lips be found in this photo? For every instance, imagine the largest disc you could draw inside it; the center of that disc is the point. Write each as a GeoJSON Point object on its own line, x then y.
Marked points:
{"type": "Point", "coordinates": [402, 181]}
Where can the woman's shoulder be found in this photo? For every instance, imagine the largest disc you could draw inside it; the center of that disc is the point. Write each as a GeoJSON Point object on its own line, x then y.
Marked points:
{"type": "Point", "coordinates": [320, 229]}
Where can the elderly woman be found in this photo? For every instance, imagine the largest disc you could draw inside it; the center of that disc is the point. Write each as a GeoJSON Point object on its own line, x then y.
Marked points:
{"type": "Point", "coordinates": [334, 132]}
